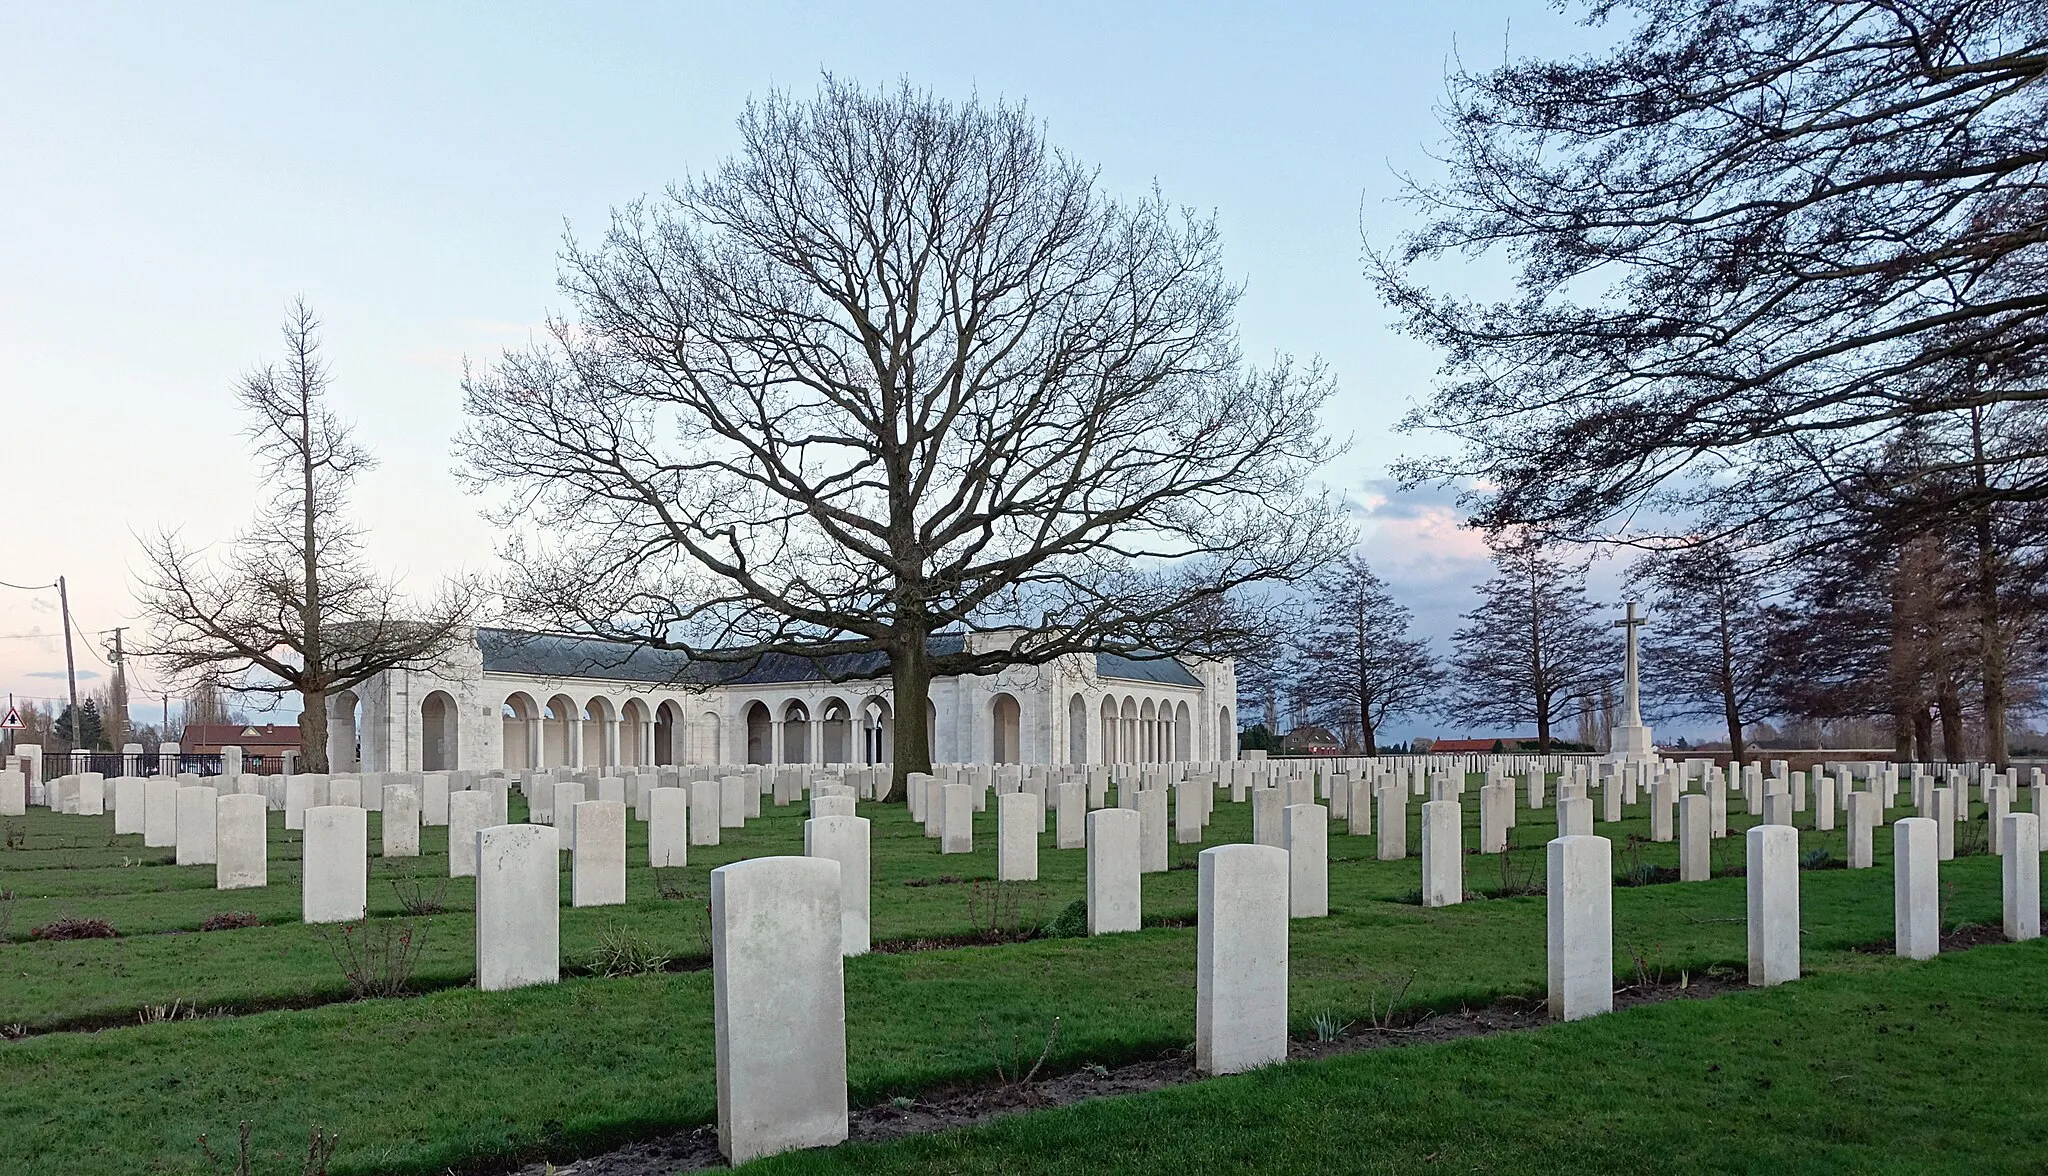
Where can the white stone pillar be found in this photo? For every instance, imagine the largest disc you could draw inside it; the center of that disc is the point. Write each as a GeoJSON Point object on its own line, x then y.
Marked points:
{"type": "Point", "coordinates": [1579, 893]}
{"type": "Point", "coordinates": [844, 839]}
{"type": "Point", "coordinates": [469, 813]}
{"type": "Point", "coordinates": [241, 842]}
{"type": "Point", "coordinates": [1308, 861]}
{"type": "Point", "coordinates": [1916, 888]}
{"type": "Point", "coordinates": [599, 861]}
{"type": "Point", "coordinates": [779, 1000]}
{"type": "Point", "coordinates": [1773, 882]}
{"type": "Point", "coordinates": [1241, 958]}
{"type": "Point", "coordinates": [336, 870]}
{"type": "Point", "coordinates": [399, 826]}
{"type": "Point", "coordinates": [1443, 853]}
{"type": "Point", "coordinates": [2022, 839]}
{"type": "Point", "coordinates": [1017, 817]}
{"type": "Point", "coordinates": [1115, 896]}
{"type": "Point", "coordinates": [518, 907]}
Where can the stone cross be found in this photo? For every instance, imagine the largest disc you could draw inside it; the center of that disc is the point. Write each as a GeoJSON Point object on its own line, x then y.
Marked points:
{"type": "Point", "coordinates": [1632, 711]}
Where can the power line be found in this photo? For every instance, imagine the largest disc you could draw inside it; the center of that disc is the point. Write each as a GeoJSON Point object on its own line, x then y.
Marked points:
{"type": "Point", "coordinates": [26, 587]}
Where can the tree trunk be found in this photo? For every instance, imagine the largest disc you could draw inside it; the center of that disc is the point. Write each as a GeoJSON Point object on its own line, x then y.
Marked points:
{"type": "Point", "coordinates": [1990, 641]}
{"type": "Point", "coordinates": [910, 677]}
{"type": "Point", "coordinates": [1923, 733]}
{"type": "Point", "coordinates": [313, 730]}
{"type": "Point", "coordinates": [1734, 717]}
{"type": "Point", "coordinates": [1951, 704]}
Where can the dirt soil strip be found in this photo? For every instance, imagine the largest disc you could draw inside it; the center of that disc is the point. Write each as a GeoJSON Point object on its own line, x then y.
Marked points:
{"type": "Point", "coordinates": [942, 1110]}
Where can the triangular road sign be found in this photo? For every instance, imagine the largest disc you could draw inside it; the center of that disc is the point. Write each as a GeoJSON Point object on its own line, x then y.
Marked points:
{"type": "Point", "coordinates": [13, 720]}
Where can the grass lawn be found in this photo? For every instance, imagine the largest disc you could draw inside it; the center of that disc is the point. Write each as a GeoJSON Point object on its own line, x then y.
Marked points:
{"type": "Point", "coordinates": [447, 1079]}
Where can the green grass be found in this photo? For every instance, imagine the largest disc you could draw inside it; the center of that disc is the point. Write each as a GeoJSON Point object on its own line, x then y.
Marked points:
{"type": "Point", "coordinates": [428, 1082]}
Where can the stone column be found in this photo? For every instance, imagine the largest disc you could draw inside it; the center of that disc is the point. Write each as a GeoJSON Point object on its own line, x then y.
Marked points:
{"type": "Point", "coordinates": [1916, 887]}
{"type": "Point", "coordinates": [779, 1001]}
{"type": "Point", "coordinates": [1579, 893]}
{"type": "Point", "coordinates": [1241, 958]}
{"type": "Point", "coordinates": [1773, 881]}
{"type": "Point", "coordinates": [1017, 817]}
{"type": "Point", "coordinates": [2022, 840]}
{"type": "Point", "coordinates": [1443, 853]}
{"type": "Point", "coordinates": [518, 907]}
{"type": "Point", "coordinates": [1308, 861]}
{"type": "Point", "coordinates": [1115, 897]}
{"type": "Point", "coordinates": [844, 839]}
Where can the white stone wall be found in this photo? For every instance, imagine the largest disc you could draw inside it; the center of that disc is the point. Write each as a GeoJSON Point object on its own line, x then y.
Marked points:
{"type": "Point", "coordinates": [714, 724]}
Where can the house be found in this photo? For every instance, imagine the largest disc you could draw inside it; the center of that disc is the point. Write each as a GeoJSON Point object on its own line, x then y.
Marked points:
{"type": "Point", "coordinates": [265, 740]}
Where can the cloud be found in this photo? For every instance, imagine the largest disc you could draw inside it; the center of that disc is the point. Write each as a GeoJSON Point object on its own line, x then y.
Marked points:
{"type": "Point", "coordinates": [83, 675]}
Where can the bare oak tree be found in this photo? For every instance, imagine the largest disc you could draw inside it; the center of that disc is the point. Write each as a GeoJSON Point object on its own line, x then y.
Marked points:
{"type": "Point", "coordinates": [1709, 653]}
{"type": "Point", "coordinates": [290, 607]}
{"type": "Point", "coordinates": [1533, 647]}
{"type": "Point", "coordinates": [894, 369]}
{"type": "Point", "coordinates": [1355, 655]}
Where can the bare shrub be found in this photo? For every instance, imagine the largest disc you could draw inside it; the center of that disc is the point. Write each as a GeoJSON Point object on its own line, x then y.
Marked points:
{"type": "Point", "coordinates": [376, 958]}
{"type": "Point", "coordinates": [73, 927]}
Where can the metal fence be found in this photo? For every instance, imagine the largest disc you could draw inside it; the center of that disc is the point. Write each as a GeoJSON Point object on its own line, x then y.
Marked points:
{"type": "Point", "coordinates": [114, 763]}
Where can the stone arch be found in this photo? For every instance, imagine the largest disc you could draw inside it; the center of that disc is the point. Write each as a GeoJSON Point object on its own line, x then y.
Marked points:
{"type": "Point", "coordinates": [1077, 730]}
{"type": "Point", "coordinates": [521, 742]}
{"type": "Point", "coordinates": [1007, 719]}
{"type": "Point", "coordinates": [760, 734]}
{"type": "Point", "coordinates": [835, 731]}
{"type": "Point", "coordinates": [1183, 733]}
{"type": "Point", "coordinates": [706, 737]}
{"type": "Point", "coordinates": [636, 734]}
{"type": "Point", "coordinates": [878, 731]}
{"type": "Point", "coordinates": [599, 729]}
{"type": "Point", "coordinates": [1226, 734]}
{"type": "Point", "coordinates": [1148, 732]}
{"type": "Point", "coordinates": [562, 733]}
{"type": "Point", "coordinates": [440, 734]}
{"type": "Point", "coordinates": [668, 724]}
{"type": "Point", "coordinates": [1112, 745]}
{"type": "Point", "coordinates": [796, 732]}
{"type": "Point", "coordinates": [1127, 731]}
{"type": "Point", "coordinates": [344, 741]}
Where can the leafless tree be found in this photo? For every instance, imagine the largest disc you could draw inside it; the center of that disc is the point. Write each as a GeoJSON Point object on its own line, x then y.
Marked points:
{"type": "Point", "coordinates": [1708, 655]}
{"type": "Point", "coordinates": [1533, 647]}
{"type": "Point", "coordinates": [898, 369]}
{"type": "Point", "coordinates": [1356, 656]}
{"type": "Point", "coordinates": [290, 606]}
{"type": "Point", "coordinates": [1749, 222]}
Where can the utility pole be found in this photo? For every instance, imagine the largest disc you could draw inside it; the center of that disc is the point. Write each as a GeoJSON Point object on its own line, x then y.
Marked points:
{"type": "Point", "coordinates": [119, 736]}
{"type": "Point", "coordinates": [70, 667]}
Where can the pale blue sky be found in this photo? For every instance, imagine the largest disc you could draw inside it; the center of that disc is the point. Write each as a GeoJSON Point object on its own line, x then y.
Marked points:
{"type": "Point", "coordinates": [171, 176]}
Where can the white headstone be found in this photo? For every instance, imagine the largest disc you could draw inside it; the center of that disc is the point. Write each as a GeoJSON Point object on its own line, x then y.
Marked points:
{"type": "Point", "coordinates": [1579, 893]}
{"type": "Point", "coordinates": [956, 818]}
{"type": "Point", "coordinates": [1695, 822]}
{"type": "Point", "coordinates": [706, 798]}
{"type": "Point", "coordinates": [1308, 860]}
{"type": "Point", "coordinates": [398, 827]}
{"type": "Point", "coordinates": [1916, 888]}
{"type": "Point", "coordinates": [1443, 854]}
{"type": "Point", "coordinates": [14, 799]}
{"type": "Point", "coordinates": [844, 839]}
{"type": "Point", "coordinates": [195, 817]}
{"type": "Point", "coordinates": [779, 1001]}
{"type": "Point", "coordinates": [337, 865]}
{"type": "Point", "coordinates": [599, 867]}
{"type": "Point", "coordinates": [518, 907]}
{"type": "Point", "coordinates": [1017, 817]}
{"type": "Point", "coordinates": [434, 799]}
{"type": "Point", "coordinates": [1070, 803]}
{"type": "Point", "coordinates": [1773, 880]}
{"type": "Point", "coordinates": [1241, 958]}
{"type": "Point", "coordinates": [469, 813]}
{"type": "Point", "coordinates": [1153, 852]}
{"type": "Point", "coordinates": [131, 802]}
{"type": "Point", "coordinates": [241, 834]}
{"type": "Point", "coordinates": [1393, 823]}
{"type": "Point", "coordinates": [732, 801]}
{"type": "Point", "coordinates": [1267, 822]}
{"type": "Point", "coordinates": [1115, 895]}
{"type": "Point", "coordinates": [160, 812]}
{"type": "Point", "coordinates": [2022, 838]}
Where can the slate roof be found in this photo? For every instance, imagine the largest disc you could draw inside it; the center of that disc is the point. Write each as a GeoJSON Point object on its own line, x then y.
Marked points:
{"type": "Point", "coordinates": [539, 655]}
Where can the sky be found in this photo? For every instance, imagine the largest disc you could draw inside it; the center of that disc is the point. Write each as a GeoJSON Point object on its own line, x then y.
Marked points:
{"type": "Point", "coordinates": [171, 177]}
